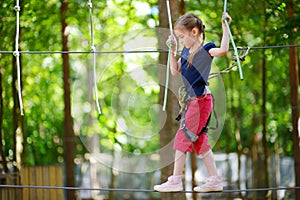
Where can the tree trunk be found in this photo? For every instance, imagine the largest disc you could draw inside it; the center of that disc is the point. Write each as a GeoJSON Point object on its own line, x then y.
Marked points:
{"type": "Point", "coordinates": [18, 122]}
{"type": "Point", "coordinates": [265, 180]}
{"type": "Point", "coordinates": [2, 151]}
{"type": "Point", "coordinates": [255, 171]}
{"type": "Point", "coordinates": [265, 175]}
{"type": "Point", "coordinates": [233, 126]}
{"type": "Point", "coordinates": [238, 115]}
{"type": "Point", "coordinates": [255, 144]}
{"type": "Point", "coordinates": [182, 7]}
{"type": "Point", "coordinates": [277, 167]}
{"type": "Point", "coordinates": [294, 81]}
{"type": "Point", "coordinates": [69, 145]}
{"type": "Point", "coordinates": [170, 127]}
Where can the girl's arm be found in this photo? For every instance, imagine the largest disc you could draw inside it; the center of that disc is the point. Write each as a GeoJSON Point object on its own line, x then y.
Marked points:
{"type": "Point", "coordinates": [223, 49]}
{"type": "Point", "coordinates": [175, 65]}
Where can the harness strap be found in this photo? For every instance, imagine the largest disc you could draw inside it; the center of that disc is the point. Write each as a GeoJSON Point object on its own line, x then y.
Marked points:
{"type": "Point", "coordinates": [189, 134]}
{"type": "Point", "coordinates": [205, 128]}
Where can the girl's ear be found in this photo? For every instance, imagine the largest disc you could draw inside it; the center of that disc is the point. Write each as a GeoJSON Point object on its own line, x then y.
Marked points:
{"type": "Point", "coordinates": [195, 31]}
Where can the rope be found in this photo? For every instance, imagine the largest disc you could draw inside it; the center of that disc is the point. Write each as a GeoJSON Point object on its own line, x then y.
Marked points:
{"type": "Point", "coordinates": [169, 57]}
{"type": "Point", "coordinates": [93, 49]}
{"type": "Point", "coordinates": [232, 42]}
{"type": "Point", "coordinates": [141, 51]}
{"type": "Point", "coordinates": [270, 47]}
{"type": "Point", "coordinates": [16, 53]}
{"type": "Point", "coordinates": [144, 190]}
{"type": "Point", "coordinates": [169, 16]}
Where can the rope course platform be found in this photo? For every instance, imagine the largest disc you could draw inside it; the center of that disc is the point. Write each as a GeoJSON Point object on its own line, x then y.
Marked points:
{"type": "Point", "coordinates": [145, 190]}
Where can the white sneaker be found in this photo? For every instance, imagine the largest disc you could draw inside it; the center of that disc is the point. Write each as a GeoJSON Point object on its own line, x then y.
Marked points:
{"type": "Point", "coordinates": [213, 184]}
{"type": "Point", "coordinates": [174, 184]}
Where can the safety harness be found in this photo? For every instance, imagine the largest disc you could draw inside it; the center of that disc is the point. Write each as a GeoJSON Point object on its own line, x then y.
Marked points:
{"type": "Point", "coordinates": [183, 101]}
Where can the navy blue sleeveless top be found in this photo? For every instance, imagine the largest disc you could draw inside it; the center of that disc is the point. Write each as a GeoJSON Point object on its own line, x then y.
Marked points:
{"type": "Point", "coordinates": [195, 76]}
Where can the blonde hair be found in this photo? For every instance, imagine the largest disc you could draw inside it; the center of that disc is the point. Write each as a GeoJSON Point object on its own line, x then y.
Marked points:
{"type": "Point", "coordinates": [188, 22]}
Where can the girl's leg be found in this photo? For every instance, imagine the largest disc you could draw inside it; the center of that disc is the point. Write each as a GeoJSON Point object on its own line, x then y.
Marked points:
{"type": "Point", "coordinates": [214, 181]}
{"type": "Point", "coordinates": [174, 183]}
{"type": "Point", "coordinates": [179, 163]}
{"type": "Point", "coordinates": [210, 163]}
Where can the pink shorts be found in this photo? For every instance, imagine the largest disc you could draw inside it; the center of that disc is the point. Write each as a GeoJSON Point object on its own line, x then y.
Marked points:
{"type": "Point", "coordinates": [197, 114]}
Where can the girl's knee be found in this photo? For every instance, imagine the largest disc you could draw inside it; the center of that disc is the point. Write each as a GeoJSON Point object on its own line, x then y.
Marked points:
{"type": "Point", "coordinates": [206, 153]}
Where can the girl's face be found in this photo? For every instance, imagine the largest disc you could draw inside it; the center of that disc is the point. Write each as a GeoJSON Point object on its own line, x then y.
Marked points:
{"type": "Point", "coordinates": [187, 38]}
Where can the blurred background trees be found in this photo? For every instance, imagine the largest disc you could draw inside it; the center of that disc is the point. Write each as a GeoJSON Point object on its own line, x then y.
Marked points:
{"type": "Point", "coordinates": [262, 111]}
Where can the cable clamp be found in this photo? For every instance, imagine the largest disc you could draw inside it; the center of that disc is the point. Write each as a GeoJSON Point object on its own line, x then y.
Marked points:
{"type": "Point", "coordinates": [93, 48]}
{"type": "Point", "coordinates": [16, 53]}
{"type": "Point", "coordinates": [17, 8]}
{"type": "Point", "coordinates": [90, 4]}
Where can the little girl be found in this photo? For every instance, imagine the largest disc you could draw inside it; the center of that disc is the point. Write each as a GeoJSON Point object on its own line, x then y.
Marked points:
{"type": "Point", "coordinates": [194, 66]}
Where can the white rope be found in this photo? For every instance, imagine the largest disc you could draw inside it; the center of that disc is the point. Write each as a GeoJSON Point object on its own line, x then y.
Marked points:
{"type": "Point", "coordinates": [93, 49]}
{"type": "Point", "coordinates": [169, 57]}
{"type": "Point", "coordinates": [171, 28]}
{"type": "Point", "coordinates": [169, 17]}
{"type": "Point", "coordinates": [233, 44]}
{"type": "Point", "coordinates": [16, 53]}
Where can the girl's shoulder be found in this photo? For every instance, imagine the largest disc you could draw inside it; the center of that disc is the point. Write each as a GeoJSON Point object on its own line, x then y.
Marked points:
{"type": "Point", "coordinates": [209, 46]}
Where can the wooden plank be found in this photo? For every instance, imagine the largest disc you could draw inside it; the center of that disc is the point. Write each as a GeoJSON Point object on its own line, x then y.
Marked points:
{"type": "Point", "coordinates": [24, 181]}
{"type": "Point", "coordinates": [46, 182]}
{"type": "Point", "coordinates": [52, 182]}
{"type": "Point", "coordinates": [12, 193]}
{"type": "Point", "coordinates": [32, 192]}
{"type": "Point", "coordinates": [3, 193]}
{"type": "Point", "coordinates": [39, 176]}
{"type": "Point", "coordinates": [59, 181]}
{"type": "Point", "coordinates": [39, 181]}
{"type": "Point", "coordinates": [9, 193]}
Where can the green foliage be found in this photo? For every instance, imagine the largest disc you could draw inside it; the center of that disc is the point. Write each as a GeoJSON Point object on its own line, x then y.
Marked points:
{"type": "Point", "coordinates": [263, 23]}
{"type": "Point", "coordinates": [130, 110]}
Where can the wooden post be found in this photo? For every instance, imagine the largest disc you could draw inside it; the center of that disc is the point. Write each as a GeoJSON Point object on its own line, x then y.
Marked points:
{"type": "Point", "coordinates": [294, 84]}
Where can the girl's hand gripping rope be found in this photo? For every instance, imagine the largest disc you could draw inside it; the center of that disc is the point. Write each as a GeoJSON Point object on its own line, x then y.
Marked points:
{"type": "Point", "coordinates": [172, 44]}
{"type": "Point", "coordinates": [226, 16]}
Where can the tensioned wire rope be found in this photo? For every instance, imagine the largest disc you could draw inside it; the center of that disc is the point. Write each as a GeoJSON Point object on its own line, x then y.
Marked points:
{"type": "Point", "coordinates": [144, 51]}
{"type": "Point", "coordinates": [145, 190]}
{"type": "Point", "coordinates": [241, 57]}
